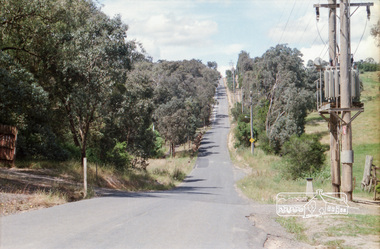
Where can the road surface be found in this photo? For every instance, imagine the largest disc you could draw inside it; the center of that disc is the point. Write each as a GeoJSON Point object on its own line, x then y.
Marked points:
{"type": "Point", "coordinates": [203, 212]}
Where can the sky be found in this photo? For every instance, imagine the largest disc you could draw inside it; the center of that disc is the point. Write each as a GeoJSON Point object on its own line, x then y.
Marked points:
{"type": "Point", "coordinates": [218, 30]}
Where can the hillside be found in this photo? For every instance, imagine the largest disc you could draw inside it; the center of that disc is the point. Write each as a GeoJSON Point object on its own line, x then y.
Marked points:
{"type": "Point", "coordinates": [366, 131]}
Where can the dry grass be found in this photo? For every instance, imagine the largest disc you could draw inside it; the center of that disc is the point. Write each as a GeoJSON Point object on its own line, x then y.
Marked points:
{"type": "Point", "coordinates": [170, 172]}
{"type": "Point", "coordinates": [15, 203]}
{"type": "Point", "coordinates": [38, 184]}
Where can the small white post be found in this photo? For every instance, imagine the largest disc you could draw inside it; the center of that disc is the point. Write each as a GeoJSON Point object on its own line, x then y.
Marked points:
{"type": "Point", "coordinates": [84, 177]}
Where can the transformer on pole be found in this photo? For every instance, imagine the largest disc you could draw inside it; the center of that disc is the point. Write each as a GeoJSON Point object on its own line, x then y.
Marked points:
{"type": "Point", "coordinates": [338, 94]}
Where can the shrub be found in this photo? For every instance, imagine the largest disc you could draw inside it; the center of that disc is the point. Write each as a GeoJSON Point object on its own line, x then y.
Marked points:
{"type": "Point", "coordinates": [303, 155]}
{"type": "Point", "coordinates": [265, 143]}
{"type": "Point", "coordinates": [243, 131]}
{"type": "Point", "coordinates": [119, 156]}
{"type": "Point", "coordinates": [157, 150]}
{"type": "Point", "coordinates": [236, 111]}
{"type": "Point", "coordinates": [242, 134]}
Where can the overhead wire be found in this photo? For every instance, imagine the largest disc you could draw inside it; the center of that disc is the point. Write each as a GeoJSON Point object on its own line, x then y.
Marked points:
{"type": "Point", "coordinates": [304, 31]}
{"type": "Point", "coordinates": [283, 31]}
{"type": "Point", "coordinates": [365, 27]}
{"type": "Point", "coordinates": [279, 20]}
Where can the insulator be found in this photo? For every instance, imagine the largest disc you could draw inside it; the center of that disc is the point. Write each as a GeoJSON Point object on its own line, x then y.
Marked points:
{"type": "Point", "coordinates": [368, 12]}
{"type": "Point", "coordinates": [317, 12]}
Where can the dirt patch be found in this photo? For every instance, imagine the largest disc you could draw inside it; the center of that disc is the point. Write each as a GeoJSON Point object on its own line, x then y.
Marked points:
{"type": "Point", "coordinates": [358, 229]}
{"type": "Point", "coordinates": [277, 237]}
{"type": "Point", "coordinates": [29, 189]}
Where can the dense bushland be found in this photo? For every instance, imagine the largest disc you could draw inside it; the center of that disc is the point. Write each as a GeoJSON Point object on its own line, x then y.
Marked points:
{"type": "Point", "coordinates": [282, 92]}
{"type": "Point", "coordinates": [75, 86]}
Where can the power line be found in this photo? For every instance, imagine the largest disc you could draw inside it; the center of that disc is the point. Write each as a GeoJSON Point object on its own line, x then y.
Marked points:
{"type": "Point", "coordinates": [316, 24]}
{"type": "Point", "coordinates": [283, 31]}
{"type": "Point", "coordinates": [365, 26]}
{"type": "Point", "coordinates": [304, 31]}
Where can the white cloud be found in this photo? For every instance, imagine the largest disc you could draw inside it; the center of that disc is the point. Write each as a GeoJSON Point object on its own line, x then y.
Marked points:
{"type": "Point", "coordinates": [367, 48]}
{"type": "Point", "coordinates": [300, 31]}
{"type": "Point", "coordinates": [305, 33]}
{"type": "Point", "coordinates": [232, 49]}
{"type": "Point", "coordinates": [170, 30]}
{"type": "Point", "coordinates": [164, 27]}
{"type": "Point", "coordinates": [312, 52]}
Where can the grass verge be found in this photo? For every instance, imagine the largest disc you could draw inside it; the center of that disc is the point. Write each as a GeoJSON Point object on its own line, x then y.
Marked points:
{"type": "Point", "coordinates": [39, 184]}
{"type": "Point", "coordinates": [351, 231]}
{"type": "Point", "coordinates": [265, 180]}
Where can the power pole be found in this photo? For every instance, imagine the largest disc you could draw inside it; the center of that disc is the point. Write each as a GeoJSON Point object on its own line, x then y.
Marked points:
{"type": "Point", "coordinates": [242, 100]}
{"type": "Point", "coordinates": [251, 122]}
{"type": "Point", "coordinates": [345, 108]}
{"type": "Point", "coordinates": [334, 122]}
{"type": "Point", "coordinates": [345, 99]}
{"type": "Point", "coordinates": [233, 86]}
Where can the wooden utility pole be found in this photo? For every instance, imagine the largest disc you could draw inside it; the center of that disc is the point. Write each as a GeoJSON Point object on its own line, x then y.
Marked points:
{"type": "Point", "coordinates": [344, 106]}
{"type": "Point", "coordinates": [334, 122]}
{"type": "Point", "coordinates": [233, 86]}
{"type": "Point", "coordinates": [251, 122]}
{"type": "Point", "coordinates": [345, 99]}
{"type": "Point", "coordinates": [242, 100]}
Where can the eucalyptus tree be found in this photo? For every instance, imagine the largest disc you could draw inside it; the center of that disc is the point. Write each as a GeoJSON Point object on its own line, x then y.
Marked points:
{"type": "Point", "coordinates": [183, 98]}
{"type": "Point", "coordinates": [95, 59]}
{"type": "Point", "coordinates": [283, 87]}
{"type": "Point", "coordinates": [128, 117]}
{"type": "Point", "coordinates": [77, 54]}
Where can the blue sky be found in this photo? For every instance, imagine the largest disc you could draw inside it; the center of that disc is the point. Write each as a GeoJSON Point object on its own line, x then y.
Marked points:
{"type": "Point", "coordinates": [217, 30]}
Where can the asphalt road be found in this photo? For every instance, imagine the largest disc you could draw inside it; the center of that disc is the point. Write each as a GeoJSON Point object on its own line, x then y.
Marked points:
{"type": "Point", "coordinates": [204, 212]}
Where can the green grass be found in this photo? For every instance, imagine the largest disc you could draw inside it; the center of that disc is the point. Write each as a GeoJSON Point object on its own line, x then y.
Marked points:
{"type": "Point", "coordinates": [293, 226]}
{"type": "Point", "coordinates": [266, 179]}
{"type": "Point", "coordinates": [336, 244]}
{"type": "Point", "coordinates": [357, 224]}
{"type": "Point", "coordinates": [330, 231]}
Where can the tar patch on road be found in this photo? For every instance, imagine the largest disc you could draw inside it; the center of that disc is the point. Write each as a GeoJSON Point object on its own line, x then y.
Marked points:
{"type": "Point", "coordinates": [202, 163]}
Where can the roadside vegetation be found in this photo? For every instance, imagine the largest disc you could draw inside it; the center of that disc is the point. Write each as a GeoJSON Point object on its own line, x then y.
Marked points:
{"type": "Point", "coordinates": [76, 87]}
{"type": "Point", "coordinates": [283, 169]}
{"type": "Point", "coordinates": [40, 184]}
{"type": "Point", "coordinates": [283, 166]}
{"type": "Point", "coordinates": [351, 231]}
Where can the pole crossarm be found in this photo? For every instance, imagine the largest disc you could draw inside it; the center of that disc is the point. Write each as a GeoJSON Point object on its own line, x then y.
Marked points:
{"type": "Point", "coordinates": [337, 5]}
{"type": "Point", "coordinates": [336, 110]}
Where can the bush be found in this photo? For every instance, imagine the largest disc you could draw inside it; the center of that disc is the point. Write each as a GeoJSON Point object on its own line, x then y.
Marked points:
{"type": "Point", "coordinates": [243, 131]}
{"type": "Point", "coordinates": [242, 134]}
{"type": "Point", "coordinates": [157, 151]}
{"type": "Point", "coordinates": [119, 156]}
{"type": "Point", "coordinates": [303, 156]}
{"type": "Point", "coordinates": [93, 155]}
{"type": "Point", "coordinates": [236, 111]}
{"type": "Point", "coordinates": [265, 143]}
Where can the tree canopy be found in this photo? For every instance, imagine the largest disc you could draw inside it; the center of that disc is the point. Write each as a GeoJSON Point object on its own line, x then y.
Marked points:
{"type": "Point", "coordinates": [282, 92]}
{"type": "Point", "coordinates": [75, 86]}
